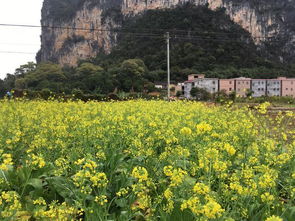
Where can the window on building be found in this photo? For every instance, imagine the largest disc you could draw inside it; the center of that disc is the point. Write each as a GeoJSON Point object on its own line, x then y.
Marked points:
{"type": "Point", "coordinates": [262, 89]}
{"type": "Point", "coordinates": [247, 82]}
{"type": "Point", "coordinates": [291, 89]}
{"type": "Point", "coordinates": [258, 89]}
{"type": "Point", "coordinates": [239, 82]}
{"type": "Point", "coordinates": [230, 89]}
{"type": "Point", "coordinates": [230, 82]}
{"type": "Point", "coordinates": [214, 89]}
{"type": "Point", "coordinates": [213, 82]}
{"type": "Point", "coordinates": [286, 89]}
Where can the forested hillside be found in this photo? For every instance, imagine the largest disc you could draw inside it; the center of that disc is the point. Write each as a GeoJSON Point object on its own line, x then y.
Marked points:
{"type": "Point", "coordinates": [202, 40]}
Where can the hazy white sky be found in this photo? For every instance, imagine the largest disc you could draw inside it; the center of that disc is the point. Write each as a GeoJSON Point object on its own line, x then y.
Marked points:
{"type": "Point", "coordinates": [14, 39]}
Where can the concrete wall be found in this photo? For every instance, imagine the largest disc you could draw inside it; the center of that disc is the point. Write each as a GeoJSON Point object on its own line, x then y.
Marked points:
{"type": "Point", "coordinates": [187, 89]}
{"type": "Point", "coordinates": [273, 87]}
{"type": "Point", "coordinates": [209, 84]}
{"type": "Point", "coordinates": [258, 87]}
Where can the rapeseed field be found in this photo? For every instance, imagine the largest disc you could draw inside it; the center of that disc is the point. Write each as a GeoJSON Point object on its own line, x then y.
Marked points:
{"type": "Point", "coordinates": [145, 160]}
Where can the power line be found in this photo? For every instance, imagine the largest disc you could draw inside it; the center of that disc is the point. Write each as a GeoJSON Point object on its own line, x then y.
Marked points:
{"type": "Point", "coordinates": [147, 31]}
{"type": "Point", "coordinates": [19, 44]}
{"type": "Point", "coordinates": [16, 52]}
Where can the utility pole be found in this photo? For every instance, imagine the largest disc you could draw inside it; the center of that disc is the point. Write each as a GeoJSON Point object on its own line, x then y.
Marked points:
{"type": "Point", "coordinates": [168, 65]}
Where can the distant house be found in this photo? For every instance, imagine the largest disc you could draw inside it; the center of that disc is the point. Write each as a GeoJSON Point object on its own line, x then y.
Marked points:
{"type": "Point", "coordinates": [161, 85]}
{"type": "Point", "coordinates": [198, 80]}
{"type": "Point", "coordinates": [173, 87]}
{"type": "Point", "coordinates": [242, 85]}
{"type": "Point", "coordinates": [179, 88]}
{"type": "Point", "coordinates": [288, 86]}
{"type": "Point", "coordinates": [258, 87]}
{"type": "Point", "coordinates": [273, 87]}
{"type": "Point", "coordinates": [227, 85]}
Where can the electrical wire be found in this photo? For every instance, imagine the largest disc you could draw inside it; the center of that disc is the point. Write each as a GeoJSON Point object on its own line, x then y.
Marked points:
{"type": "Point", "coordinates": [146, 32]}
{"type": "Point", "coordinates": [16, 52]}
{"type": "Point", "coordinates": [218, 36]}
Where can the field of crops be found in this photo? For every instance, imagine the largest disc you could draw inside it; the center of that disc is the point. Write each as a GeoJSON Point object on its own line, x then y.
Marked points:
{"type": "Point", "coordinates": [145, 160]}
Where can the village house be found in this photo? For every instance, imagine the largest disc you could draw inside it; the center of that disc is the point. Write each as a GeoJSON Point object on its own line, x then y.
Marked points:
{"type": "Point", "coordinates": [198, 80]}
{"type": "Point", "coordinates": [258, 87]}
{"type": "Point", "coordinates": [273, 87]}
{"type": "Point", "coordinates": [242, 86]}
{"type": "Point", "coordinates": [288, 86]}
{"type": "Point", "coordinates": [227, 85]}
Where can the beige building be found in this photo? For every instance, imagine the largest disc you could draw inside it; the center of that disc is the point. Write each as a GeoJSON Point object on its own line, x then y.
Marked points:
{"type": "Point", "coordinates": [227, 85]}
{"type": "Point", "coordinates": [288, 86]}
{"type": "Point", "coordinates": [242, 85]}
{"type": "Point", "coordinates": [193, 77]}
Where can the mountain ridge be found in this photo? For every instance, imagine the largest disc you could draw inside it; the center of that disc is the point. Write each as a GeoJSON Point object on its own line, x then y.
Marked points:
{"type": "Point", "coordinates": [271, 19]}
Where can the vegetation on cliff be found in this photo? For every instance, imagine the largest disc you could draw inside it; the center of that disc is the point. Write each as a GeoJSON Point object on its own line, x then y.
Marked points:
{"type": "Point", "coordinates": [210, 43]}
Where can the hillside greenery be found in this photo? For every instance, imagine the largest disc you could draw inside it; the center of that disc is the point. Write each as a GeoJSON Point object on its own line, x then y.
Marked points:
{"type": "Point", "coordinates": [202, 41]}
{"type": "Point", "coordinates": [209, 42]}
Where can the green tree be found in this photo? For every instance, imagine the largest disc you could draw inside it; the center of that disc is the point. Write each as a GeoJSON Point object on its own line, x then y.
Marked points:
{"type": "Point", "coordinates": [200, 94]}
{"type": "Point", "coordinates": [132, 70]}
{"type": "Point", "coordinates": [91, 77]}
{"type": "Point", "coordinates": [25, 69]}
{"type": "Point", "coordinates": [46, 75]}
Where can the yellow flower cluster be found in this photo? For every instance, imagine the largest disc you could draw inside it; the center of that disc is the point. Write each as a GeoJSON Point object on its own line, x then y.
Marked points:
{"type": "Point", "coordinates": [203, 128]}
{"type": "Point", "coordinates": [7, 161]}
{"type": "Point", "coordinates": [201, 188]}
{"type": "Point", "coordinates": [37, 161]}
{"type": "Point", "coordinates": [140, 173]}
{"type": "Point", "coordinates": [267, 198]}
{"type": "Point", "coordinates": [88, 177]}
{"type": "Point", "coordinates": [176, 175]}
{"type": "Point", "coordinates": [122, 192]}
{"type": "Point", "coordinates": [101, 200]}
{"type": "Point", "coordinates": [274, 218]}
{"type": "Point", "coordinates": [10, 204]}
{"type": "Point", "coordinates": [186, 131]}
{"type": "Point", "coordinates": [211, 210]}
{"type": "Point", "coordinates": [56, 212]}
{"type": "Point", "coordinates": [262, 108]}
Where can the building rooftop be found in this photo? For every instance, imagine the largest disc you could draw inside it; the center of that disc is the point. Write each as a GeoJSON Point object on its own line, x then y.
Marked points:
{"type": "Point", "coordinates": [242, 78]}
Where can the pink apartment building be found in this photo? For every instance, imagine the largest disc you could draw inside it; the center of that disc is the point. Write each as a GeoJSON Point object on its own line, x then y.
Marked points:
{"type": "Point", "coordinates": [242, 86]}
{"type": "Point", "coordinates": [227, 85]}
{"type": "Point", "coordinates": [288, 86]}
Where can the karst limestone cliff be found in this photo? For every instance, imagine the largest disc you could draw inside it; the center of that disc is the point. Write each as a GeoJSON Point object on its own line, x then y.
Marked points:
{"type": "Point", "coordinates": [91, 23]}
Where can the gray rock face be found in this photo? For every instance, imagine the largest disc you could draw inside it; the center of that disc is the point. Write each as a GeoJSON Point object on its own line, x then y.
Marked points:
{"type": "Point", "coordinates": [263, 19]}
